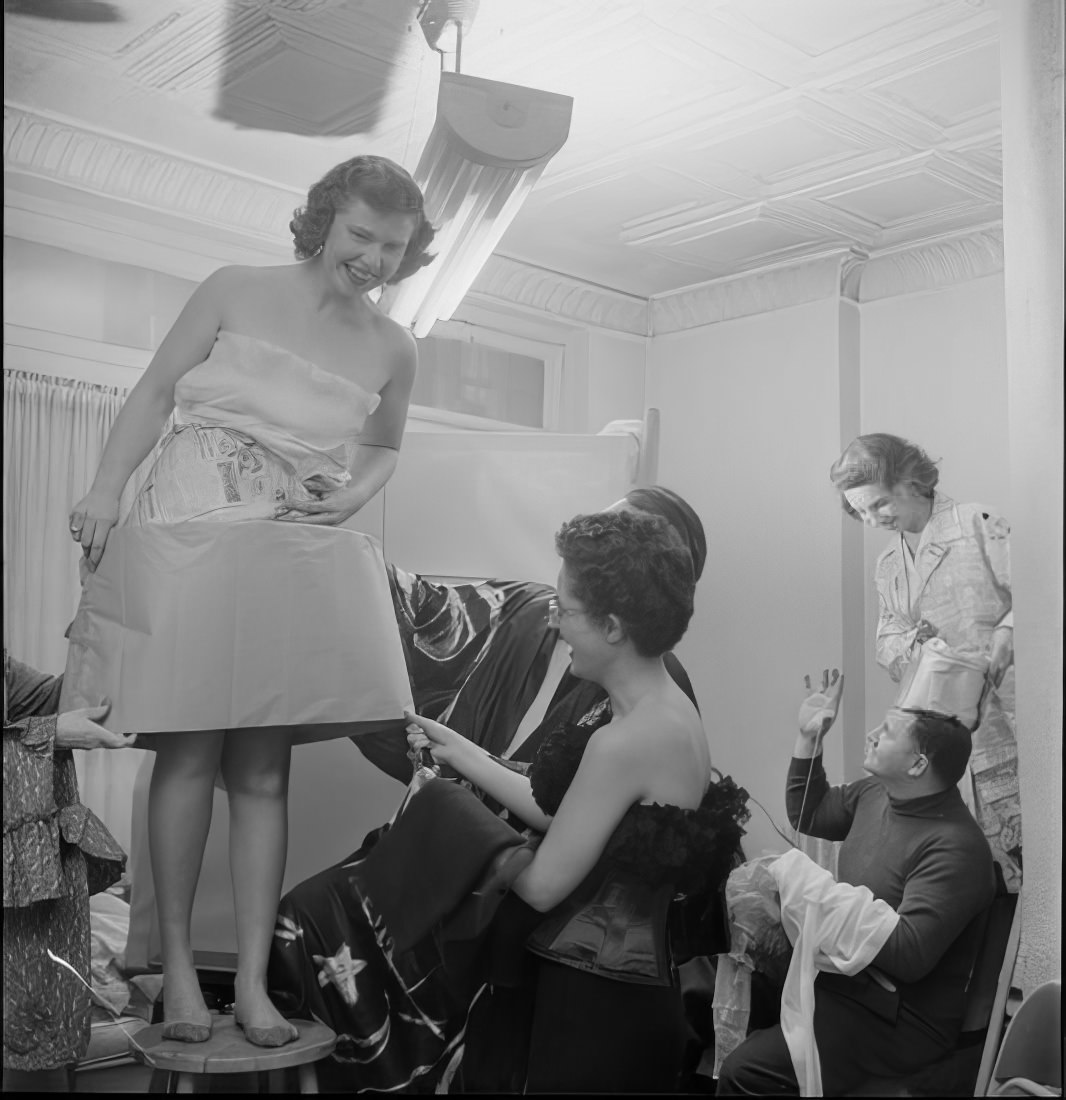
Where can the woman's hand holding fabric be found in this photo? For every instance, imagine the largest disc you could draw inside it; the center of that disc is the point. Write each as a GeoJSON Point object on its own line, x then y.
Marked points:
{"type": "Point", "coordinates": [818, 711]}
{"type": "Point", "coordinates": [91, 520]}
{"type": "Point", "coordinates": [1002, 655]}
{"type": "Point", "coordinates": [445, 745]}
{"type": "Point", "coordinates": [79, 729]}
{"type": "Point", "coordinates": [923, 632]}
{"type": "Point", "coordinates": [328, 509]}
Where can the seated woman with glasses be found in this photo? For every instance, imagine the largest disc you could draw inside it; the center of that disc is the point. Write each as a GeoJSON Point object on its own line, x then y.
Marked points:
{"type": "Point", "coordinates": [485, 660]}
{"type": "Point", "coordinates": [630, 814]}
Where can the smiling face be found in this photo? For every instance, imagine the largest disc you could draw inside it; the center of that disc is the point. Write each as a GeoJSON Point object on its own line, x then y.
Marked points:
{"type": "Point", "coordinates": [579, 631]}
{"type": "Point", "coordinates": [364, 246]}
{"type": "Point", "coordinates": [890, 750]}
{"type": "Point", "coordinates": [897, 509]}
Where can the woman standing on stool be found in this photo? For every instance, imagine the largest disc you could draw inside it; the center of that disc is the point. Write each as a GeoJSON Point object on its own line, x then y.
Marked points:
{"type": "Point", "coordinates": [213, 620]}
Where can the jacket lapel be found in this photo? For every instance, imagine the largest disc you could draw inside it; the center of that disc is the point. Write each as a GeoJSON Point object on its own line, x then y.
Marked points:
{"type": "Point", "coordinates": [940, 532]}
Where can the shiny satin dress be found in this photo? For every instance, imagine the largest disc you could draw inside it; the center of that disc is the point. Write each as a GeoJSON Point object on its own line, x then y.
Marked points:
{"type": "Point", "coordinates": [205, 613]}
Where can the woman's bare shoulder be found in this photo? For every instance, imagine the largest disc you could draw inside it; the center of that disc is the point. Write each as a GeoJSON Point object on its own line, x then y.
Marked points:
{"type": "Point", "coordinates": [667, 734]}
{"type": "Point", "coordinates": [398, 344]}
{"type": "Point", "coordinates": [647, 726]}
{"type": "Point", "coordinates": [254, 298]}
{"type": "Point", "coordinates": [397, 335]}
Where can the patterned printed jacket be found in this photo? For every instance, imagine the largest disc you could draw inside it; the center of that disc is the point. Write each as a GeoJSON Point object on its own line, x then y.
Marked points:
{"type": "Point", "coordinates": [963, 565]}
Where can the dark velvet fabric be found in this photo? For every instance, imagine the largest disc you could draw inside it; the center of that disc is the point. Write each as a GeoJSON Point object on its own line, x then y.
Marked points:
{"type": "Point", "coordinates": [854, 1045]}
{"type": "Point", "coordinates": [384, 946]}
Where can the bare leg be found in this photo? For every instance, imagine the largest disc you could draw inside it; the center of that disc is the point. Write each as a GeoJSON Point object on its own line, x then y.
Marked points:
{"type": "Point", "coordinates": [179, 816]}
{"type": "Point", "coordinates": [255, 767]}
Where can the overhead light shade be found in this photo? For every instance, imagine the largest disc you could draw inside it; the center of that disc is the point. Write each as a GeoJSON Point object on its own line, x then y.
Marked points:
{"type": "Point", "coordinates": [487, 149]}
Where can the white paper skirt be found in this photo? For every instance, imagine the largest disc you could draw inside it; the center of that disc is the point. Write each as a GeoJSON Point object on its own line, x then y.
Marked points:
{"type": "Point", "coordinates": [202, 625]}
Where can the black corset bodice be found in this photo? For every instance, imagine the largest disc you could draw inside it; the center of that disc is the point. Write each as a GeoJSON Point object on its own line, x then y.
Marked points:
{"type": "Point", "coordinates": [614, 922]}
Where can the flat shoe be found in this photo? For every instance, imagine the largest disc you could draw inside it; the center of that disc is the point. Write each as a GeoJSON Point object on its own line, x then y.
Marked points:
{"type": "Point", "coordinates": [187, 1032]}
{"type": "Point", "coordinates": [276, 1036]}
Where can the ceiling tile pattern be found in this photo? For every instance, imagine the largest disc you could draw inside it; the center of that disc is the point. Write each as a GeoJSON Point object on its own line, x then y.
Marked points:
{"type": "Point", "coordinates": [709, 137]}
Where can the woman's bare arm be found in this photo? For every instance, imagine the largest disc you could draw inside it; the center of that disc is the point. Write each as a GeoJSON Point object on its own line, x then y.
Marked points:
{"type": "Point", "coordinates": [607, 783]}
{"type": "Point", "coordinates": [141, 419]}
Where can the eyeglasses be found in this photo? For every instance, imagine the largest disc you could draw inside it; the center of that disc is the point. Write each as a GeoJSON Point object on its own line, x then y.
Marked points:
{"type": "Point", "coordinates": [556, 613]}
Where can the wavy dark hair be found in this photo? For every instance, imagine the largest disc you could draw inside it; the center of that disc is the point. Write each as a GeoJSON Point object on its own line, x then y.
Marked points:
{"type": "Point", "coordinates": [944, 741]}
{"type": "Point", "coordinates": [632, 565]}
{"type": "Point", "coordinates": [882, 459]}
{"type": "Point", "coordinates": [380, 183]}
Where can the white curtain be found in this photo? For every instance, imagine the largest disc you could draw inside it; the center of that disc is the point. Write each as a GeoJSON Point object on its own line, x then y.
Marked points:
{"type": "Point", "coordinates": [54, 435]}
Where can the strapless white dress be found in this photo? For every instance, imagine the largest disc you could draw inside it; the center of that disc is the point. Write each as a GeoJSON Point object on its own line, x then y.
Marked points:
{"type": "Point", "coordinates": [205, 614]}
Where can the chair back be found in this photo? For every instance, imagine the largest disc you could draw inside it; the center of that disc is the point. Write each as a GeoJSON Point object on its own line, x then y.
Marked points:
{"type": "Point", "coordinates": [991, 957]}
{"type": "Point", "coordinates": [1032, 1050]}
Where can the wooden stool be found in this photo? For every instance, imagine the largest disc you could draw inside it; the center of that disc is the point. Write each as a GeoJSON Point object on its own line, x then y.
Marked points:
{"type": "Point", "coordinates": [227, 1051]}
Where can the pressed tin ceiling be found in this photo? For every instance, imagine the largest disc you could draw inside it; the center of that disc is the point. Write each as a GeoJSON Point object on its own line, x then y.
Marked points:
{"type": "Point", "coordinates": [709, 137]}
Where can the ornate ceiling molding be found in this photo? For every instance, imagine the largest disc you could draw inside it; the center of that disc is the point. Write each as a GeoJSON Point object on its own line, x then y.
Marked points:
{"type": "Point", "coordinates": [522, 284]}
{"type": "Point", "coordinates": [51, 148]}
{"type": "Point", "coordinates": [124, 234]}
{"type": "Point", "coordinates": [759, 292]}
{"type": "Point", "coordinates": [848, 275]}
{"type": "Point", "coordinates": [930, 266]}
{"type": "Point", "coordinates": [234, 217]}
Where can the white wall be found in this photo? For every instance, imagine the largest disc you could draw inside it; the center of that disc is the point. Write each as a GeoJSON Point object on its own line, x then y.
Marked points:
{"type": "Point", "coordinates": [750, 423]}
{"type": "Point", "coordinates": [934, 370]}
{"type": "Point", "coordinates": [754, 411]}
{"type": "Point", "coordinates": [615, 378]}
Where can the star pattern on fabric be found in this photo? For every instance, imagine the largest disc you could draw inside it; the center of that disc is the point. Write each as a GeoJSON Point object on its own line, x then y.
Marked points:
{"type": "Point", "coordinates": [287, 930]}
{"type": "Point", "coordinates": [341, 970]}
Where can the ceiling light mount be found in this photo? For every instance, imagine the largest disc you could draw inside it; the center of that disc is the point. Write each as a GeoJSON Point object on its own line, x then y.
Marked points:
{"type": "Point", "coordinates": [444, 22]}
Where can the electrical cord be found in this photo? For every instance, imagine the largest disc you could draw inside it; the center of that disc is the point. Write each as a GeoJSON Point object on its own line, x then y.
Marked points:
{"type": "Point", "coordinates": [803, 802]}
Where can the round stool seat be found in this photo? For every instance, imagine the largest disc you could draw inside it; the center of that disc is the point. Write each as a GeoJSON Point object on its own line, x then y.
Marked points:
{"type": "Point", "coordinates": [228, 1051]}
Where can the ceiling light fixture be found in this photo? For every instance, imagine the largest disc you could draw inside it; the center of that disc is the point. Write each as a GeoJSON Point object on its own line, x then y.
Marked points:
{"type": "Point", "coordinates": [488, 147]}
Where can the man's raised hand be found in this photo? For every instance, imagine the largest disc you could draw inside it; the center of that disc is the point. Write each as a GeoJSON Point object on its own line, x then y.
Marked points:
{"type": "Point", "coordinates": [818, 711]}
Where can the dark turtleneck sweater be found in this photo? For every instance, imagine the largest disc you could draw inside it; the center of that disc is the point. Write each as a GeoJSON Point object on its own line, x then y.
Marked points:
{"type": "Point", "coordinates": [928, 858]}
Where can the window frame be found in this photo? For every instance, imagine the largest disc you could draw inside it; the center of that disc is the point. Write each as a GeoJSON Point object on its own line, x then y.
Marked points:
{"type": "Point", "coordinates": [551, 354]}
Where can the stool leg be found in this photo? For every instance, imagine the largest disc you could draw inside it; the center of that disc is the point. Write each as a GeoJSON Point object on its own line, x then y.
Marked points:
{"type": "Point", "coordinates": [307, 1077]}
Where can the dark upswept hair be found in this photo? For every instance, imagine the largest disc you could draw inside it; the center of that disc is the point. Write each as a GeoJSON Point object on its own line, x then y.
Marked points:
{"type": "Point", "coordinates": [882, 459]}
{"type": "Point", "coordinates": [660, 501]}
{"type": "Point", "coordinates": [634, 566]}
{"type": "Point", "coordinates": [943, 740]}
{"type": "Point", "coordinates": [380, 183]}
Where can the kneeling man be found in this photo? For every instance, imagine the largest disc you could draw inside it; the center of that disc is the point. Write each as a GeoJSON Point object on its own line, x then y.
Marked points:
{"type": "Point", "coordinates": [909, 838]}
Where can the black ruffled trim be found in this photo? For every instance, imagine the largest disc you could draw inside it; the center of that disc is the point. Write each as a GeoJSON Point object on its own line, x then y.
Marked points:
{"type": "Point", "coordinates": [558, 758]}
{"type": "Point", "coordinates": [690, 848]}
{"type": "Point", "coordinates": [663, 844]}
